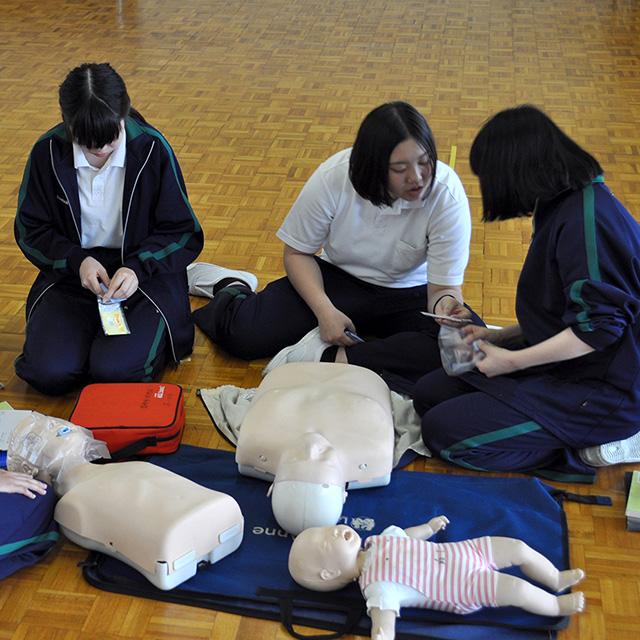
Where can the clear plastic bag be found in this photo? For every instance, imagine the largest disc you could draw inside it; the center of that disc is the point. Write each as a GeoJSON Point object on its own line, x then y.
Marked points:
{"type": "Point", "coordinates": [457, 356]}
{"type": "Point", "coordinates": [47, 448]}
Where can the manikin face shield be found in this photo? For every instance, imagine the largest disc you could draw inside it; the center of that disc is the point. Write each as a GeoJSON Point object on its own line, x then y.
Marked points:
{"type": "Point", "coordinates": [47, 448]}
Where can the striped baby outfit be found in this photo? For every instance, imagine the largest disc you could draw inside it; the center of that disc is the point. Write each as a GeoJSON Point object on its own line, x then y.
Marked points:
{"type": "Point", "coordinates": [457, 577]}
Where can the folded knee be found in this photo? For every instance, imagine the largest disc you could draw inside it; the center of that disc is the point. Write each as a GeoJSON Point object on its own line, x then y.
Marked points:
{"type": "Point", "coordinates": [48, 378]}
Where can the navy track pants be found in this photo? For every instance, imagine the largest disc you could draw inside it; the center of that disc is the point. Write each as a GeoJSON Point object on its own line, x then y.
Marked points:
{"type": "Point", "coordinates": [252, 326]}
{"type": "Point", "coordinates": [65, 345]}
{"type": "Point", "coordinates": [479, 432]}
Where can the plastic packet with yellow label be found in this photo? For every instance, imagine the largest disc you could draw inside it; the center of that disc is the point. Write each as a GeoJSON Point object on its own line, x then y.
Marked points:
{"type": "Point", "coordinates": [112, 317]}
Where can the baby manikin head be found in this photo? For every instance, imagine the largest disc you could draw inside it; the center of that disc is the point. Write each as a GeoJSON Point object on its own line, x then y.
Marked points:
{"type": "Point", "coordinates": [325, 558]}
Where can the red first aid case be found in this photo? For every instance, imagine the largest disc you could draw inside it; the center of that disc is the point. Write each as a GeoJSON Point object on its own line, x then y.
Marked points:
{"type": "Point", "coordinates": [133, 418]}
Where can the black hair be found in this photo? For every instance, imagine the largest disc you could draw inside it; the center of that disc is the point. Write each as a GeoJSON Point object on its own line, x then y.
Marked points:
{"type": "Point", "coordinates": [521, 156]}
{"type": "Point", "coordinates": [94, 101]}
{"type": "Point", "coordinates": [380, 133]}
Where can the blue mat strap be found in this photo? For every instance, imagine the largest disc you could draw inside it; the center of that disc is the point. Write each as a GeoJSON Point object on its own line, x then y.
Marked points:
{"type": "Point", "coordinates": [560, 495]}
{"type": "Point", "coordinates": [353, 610]}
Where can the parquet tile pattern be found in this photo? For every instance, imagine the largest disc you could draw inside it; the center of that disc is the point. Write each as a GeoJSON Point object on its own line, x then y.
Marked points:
{"type": "Point", "coordinates": [253, 94]}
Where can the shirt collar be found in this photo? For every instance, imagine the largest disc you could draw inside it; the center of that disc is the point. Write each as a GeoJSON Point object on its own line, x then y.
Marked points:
{"type": "Point", "coordinates": [399, 204]}
{"type": "Point", "coordinates": [117, 158]}
{"type": "Point", "coordinates": [119, 155]}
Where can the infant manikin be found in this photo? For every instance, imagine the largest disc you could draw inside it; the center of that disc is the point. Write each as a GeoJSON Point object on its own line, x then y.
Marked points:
{"type": "Point", "coordinates": [402, 568]}
{"type": "Point", "coordinates": [314, 429]}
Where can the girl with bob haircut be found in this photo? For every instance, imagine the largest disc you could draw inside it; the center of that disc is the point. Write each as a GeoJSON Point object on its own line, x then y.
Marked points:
{"type": "Point", "coordinates": [522, 157]}
{"type": "Point", "coordinates": [380, 132]}
{"type": "Point", "coordinates": [103, 214]}
{"type": "Point", "coordinates": [557, 393]}
{"type": "Point", "coordinates": [378, 234]}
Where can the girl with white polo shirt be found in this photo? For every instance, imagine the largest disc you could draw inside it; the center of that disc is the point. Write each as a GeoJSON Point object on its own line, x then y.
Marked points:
{"type": "Point", "coordinates": [378, 234]}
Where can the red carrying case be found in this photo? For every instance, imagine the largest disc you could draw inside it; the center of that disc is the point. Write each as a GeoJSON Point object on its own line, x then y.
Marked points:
{"type": "Point", "coordinates": [133, 418]}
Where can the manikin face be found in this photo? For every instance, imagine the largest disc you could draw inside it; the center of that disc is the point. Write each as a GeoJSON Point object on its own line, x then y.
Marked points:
{"type": "Point", "coordinates": [409, 171]}
{"type": "Point", "coordinates": [98, 157]}
{"type": "Point", "coordinates": [311, 458]}
{"type": "Point", "coordinates": [332, 551]}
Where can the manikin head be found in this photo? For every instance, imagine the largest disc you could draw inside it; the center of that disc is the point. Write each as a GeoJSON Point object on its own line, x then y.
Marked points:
{"type": "Point", "coordinates": [47, 448]}
{"type": "Point", "coordinates": [309, 487]}
{"type": "Point", "coordinates": [326, 558]}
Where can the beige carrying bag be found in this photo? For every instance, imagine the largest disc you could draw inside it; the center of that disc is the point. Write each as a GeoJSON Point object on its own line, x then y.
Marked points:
{"type": "Point", "coordinates": [152, 519]}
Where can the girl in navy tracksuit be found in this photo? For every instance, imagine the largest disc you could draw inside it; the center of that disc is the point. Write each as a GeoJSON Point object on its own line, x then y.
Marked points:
{"type": "Point", "coordinates": [103, 211]}
{"type": "Point", "coordinates": [565, 378]}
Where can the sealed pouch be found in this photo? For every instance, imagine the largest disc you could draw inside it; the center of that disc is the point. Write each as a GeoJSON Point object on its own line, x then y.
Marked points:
{"type": "Point", "coordinates": [457, 356]}
{"type": "Point", "coordinates": [132, 417]}
{"type": "Point", "coordinates": [112, 316]}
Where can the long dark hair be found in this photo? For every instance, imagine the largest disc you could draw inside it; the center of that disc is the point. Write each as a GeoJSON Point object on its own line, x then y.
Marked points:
{"type": "Point", "coordinates": [380, 133]}
{"type": "Point", "coordinates": [94, 101]}
{"type": "Point", "coordinates": [520, 155]}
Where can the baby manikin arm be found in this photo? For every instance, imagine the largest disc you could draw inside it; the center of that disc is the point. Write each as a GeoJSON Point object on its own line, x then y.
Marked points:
{"type": "Point", "coordinates": [426, 531]}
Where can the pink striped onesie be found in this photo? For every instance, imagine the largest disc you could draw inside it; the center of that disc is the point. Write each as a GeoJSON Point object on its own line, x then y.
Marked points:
{"type": "Point", "coordinates": [458, 577]}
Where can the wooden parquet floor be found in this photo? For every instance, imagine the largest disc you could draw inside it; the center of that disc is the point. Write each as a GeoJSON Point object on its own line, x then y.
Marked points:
{"type": "Point", "coordinates": [253, 94]}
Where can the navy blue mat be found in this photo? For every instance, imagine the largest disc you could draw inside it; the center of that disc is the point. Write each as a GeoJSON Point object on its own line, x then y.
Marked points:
{"type": "Point", "coordinates": [254, 580]}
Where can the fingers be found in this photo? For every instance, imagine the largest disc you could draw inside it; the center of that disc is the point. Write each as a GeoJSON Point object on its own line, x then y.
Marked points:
{"type": "Point", "coordinates": [92, 273]}
{"type": "Point", "coordinates": [439, 523]}
{"type": "Point", "coordinates": [338, 329]}
{"type": "Point", "coordinates": [451, 307]}
{"type": "Point", "coordinates": [453, 322]}
{"type": "Point", "coordinates": [21, 483]}
{"type": "Point", "coordinates": [474, 332]}
{"type": "Point", "coordinates": [123, 285]}
{"type": "Point", "coordinates": [344, 340]}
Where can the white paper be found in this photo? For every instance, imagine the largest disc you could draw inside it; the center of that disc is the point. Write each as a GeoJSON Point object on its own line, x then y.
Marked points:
{"type": "Point", "coordinates": [441, 317]}
{"type": "Point", "coordinates": [8, 422]}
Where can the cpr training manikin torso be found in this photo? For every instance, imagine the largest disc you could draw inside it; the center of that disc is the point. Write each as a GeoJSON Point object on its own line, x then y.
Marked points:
{"type": "Point", "coordinates": [314, 429]}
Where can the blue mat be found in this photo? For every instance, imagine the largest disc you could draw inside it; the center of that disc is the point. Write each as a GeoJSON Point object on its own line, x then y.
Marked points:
{"type": "Point", "coordinates": [254, 581]}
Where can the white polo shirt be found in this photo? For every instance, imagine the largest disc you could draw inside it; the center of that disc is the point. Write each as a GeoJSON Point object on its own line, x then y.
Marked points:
{"type": "Point", "coordinates": [405, 245]}
{"type": "Point", "coordinates": [101, 192]}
